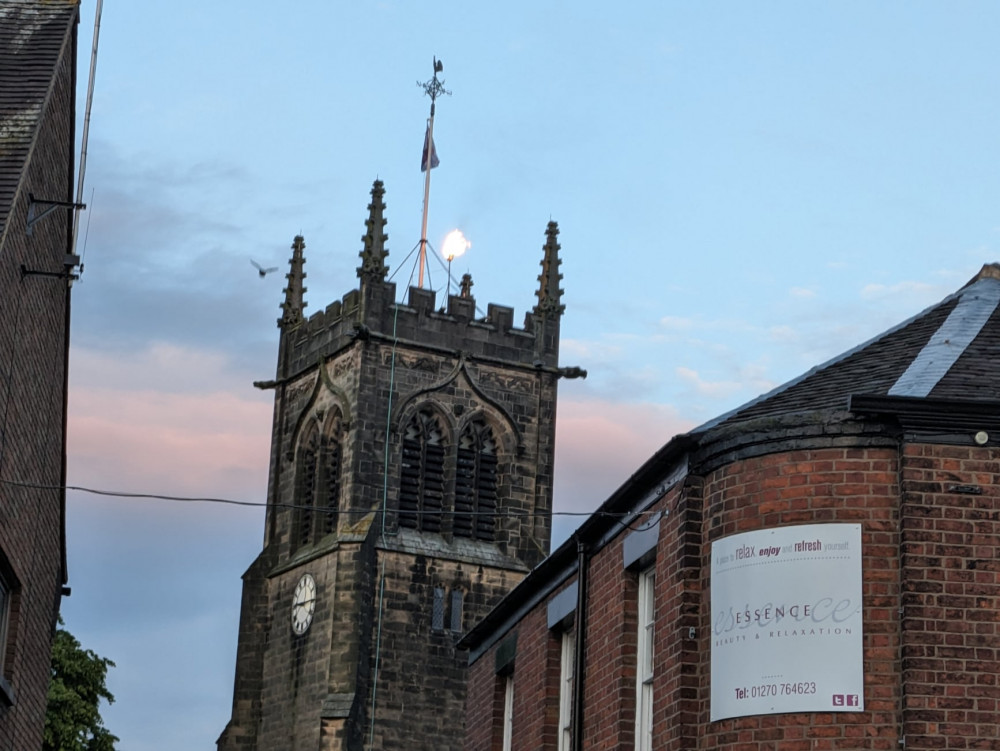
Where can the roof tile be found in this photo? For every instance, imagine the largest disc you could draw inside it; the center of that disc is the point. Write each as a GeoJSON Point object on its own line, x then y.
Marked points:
{"type": "Point", "coordinates": [33, 34]}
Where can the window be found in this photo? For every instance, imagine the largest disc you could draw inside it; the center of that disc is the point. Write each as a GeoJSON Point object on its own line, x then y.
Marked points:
{"type": "Point", "coordinates": [421, 491]}
{"type": "Point", "coordinates": [456, 611]}
{"type": "Point", "coordinates": [503, 695]}
{"type": "Point", "coordinates": [437, 610]}
{"type": "Point", "coordinates": [508, 711]}
{"type": "Point", "coordinates": [305, 487]}
{"type": "Point", "coordinates": [318, 481]}
{"type": "Point", "coordinates": [333, 442]}
{"type": "Point", "coordinates": [644, 663]}
{"type": "Point", "coordinates": [567, 655]}
{"type": "Point", "coordinates": [476, 483]}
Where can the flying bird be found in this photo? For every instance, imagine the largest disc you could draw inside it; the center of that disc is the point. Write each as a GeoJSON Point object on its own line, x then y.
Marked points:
{"type": "Point", "coordinates": [261, 270]}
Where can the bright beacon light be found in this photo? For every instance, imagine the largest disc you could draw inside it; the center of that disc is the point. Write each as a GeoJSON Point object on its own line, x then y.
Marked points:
{"type": "Point", "coordinates": [455, 245]}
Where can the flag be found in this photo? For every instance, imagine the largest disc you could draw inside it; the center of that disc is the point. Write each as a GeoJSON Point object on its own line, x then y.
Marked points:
{"type": "Point", "coordinates": [429, 142]}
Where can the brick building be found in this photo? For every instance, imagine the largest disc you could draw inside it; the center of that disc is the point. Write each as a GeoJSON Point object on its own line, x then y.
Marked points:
{"type": "Point", "coordinates": [37, 106]}
{"type": "Point", "coordinates": [410, 489]}
{"type": "Point", "coordinates": [817, 569]}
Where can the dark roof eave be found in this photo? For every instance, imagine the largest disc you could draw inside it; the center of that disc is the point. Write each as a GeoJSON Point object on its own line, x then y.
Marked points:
{"type": "Point", "coordinates": [928, 413]}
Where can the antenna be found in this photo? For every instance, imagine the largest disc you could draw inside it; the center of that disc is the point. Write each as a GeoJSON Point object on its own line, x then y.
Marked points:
{"type": "Point", "coordinates": [86, 121]}
{"type": "Point", "coordinates": [429, 160]}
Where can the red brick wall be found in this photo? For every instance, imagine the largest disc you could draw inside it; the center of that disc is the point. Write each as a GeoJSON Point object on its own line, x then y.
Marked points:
{"type": "Point", "coordinates": [536, 689]}
{"type": "Point", "coordinates": [33, 312]}
{"type": "Point", "coordinates": [815, 486]}
{"type": "Point", "coordinates": [609, 655]}
{"type": "Point", "coordinates": [951, 597]}
{"type": "Point", "coordinates": [932, 669]}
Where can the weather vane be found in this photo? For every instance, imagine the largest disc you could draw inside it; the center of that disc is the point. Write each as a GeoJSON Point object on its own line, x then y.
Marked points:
{"type": "Point", "coordinates": [429, 159]}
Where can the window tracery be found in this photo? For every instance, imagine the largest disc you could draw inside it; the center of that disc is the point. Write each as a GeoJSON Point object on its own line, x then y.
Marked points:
{"type": "Point", "coordinates": [421, 492]}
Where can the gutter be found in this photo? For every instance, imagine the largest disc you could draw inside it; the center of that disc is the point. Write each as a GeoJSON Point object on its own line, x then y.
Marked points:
{"type": "Point", "coordinates": [579, 643]}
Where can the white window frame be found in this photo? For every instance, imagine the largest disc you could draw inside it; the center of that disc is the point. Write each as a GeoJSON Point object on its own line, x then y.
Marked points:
{"type": "Point", "coordinates": [508, 712]}
{"type": "Point", "coordinates": [644, 661]}
{"type": "Point", "coordinates": [567, 659]}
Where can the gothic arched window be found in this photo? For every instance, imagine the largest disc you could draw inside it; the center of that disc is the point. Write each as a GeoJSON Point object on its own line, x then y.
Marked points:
{"type": "Point", "coordinates": [476, 483]}
{"type": "Point", "coordinates": [305, 488]}
{"type": "Point", "coordinates": [421, 488]}
{"type": "Point", "coordinates": [328, 498]}
{"type": "Point", "coordinates": [318, 482]}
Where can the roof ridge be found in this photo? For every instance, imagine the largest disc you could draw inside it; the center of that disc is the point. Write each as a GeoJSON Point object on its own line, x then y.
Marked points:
{"type": "Point", "coordinates": [979, 300]}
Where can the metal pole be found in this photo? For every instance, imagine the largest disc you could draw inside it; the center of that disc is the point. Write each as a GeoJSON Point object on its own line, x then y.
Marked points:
{"type": "Point", "coordinates": [427, 192]}
{"type": "Point", "coordinates": [432, 88]}
{"type": "Point", "coordinates": [86, 120]}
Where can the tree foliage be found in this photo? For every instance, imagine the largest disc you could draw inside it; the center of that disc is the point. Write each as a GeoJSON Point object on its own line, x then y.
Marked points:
{"type": "Point", "coordinates": [73, 720]}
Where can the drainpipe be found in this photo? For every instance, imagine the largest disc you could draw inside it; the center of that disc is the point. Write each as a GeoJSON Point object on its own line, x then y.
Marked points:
{"type": "Point", "coordinates": [580, 624]}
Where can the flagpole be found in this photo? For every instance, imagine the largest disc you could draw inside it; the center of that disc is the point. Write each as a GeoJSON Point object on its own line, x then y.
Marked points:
{"type": "Point", "coordinates": [432, 88]}
{"type": "Point", "coordinates": [427, 195]}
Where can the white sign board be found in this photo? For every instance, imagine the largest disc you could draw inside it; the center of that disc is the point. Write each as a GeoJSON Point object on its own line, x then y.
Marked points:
{"type": "Point", "coordinates": [786, 621]}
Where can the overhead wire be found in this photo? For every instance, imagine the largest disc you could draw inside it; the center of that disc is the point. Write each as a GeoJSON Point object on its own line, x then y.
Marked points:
{"type": "Point", "coordinates": [508, 513]}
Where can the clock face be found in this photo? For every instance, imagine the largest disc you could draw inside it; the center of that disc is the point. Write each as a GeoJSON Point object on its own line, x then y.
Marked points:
{"type": "Point", "coordinates": [303, 604]}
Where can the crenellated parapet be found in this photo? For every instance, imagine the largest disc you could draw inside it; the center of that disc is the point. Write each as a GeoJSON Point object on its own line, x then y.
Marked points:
{"type": "Point", "coordinates": [457, 326]}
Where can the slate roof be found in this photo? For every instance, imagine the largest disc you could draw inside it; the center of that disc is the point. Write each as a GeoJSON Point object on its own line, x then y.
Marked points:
{"type": "Point", "coordinates": [949, 351]}
{"type": "Point", "coordinates": [34, 34]}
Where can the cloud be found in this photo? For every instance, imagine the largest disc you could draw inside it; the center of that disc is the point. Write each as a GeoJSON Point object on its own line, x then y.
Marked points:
{"type": "Point", "coordinates": [590, 350]}
{"type": "Point", "coordinates": [713, 389]}
{"type": "Point", "coordinates": [783, 333]}
{"type": "Point", "coordinates": [154, 442]}
{"type": "Point", "coordinates": [754, 377]}
{"type": "Point", "coordinates": [166, 419]}
{"type": "Point", "coordinates": [676, 323]}
{"type": "Point", "coordinates": [599, 445]}
{"type": "Point", "coordinates": [802, 292]}
{"type": "Point", "coordinates": [909, 288]}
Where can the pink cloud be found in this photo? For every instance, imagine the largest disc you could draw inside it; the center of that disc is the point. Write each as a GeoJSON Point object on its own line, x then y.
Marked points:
{"type": "Point", "coordinates": [600, 444]}
{"type": "Point", "coordinates": [183, 444]}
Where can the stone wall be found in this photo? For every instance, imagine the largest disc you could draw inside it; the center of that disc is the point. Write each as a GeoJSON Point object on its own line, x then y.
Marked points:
{"type": "Point", "coordinates": [380, 667]}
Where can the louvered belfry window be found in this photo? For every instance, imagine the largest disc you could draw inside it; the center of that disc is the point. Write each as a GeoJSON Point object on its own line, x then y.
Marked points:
{"type": "Point", "coordinates": [421, 491]}
{"type": "Point", "coordinates": [318, 473]}
{"type": "Point", "coordinates": [328, 500]}
{"type": "Point", "coordinates": [305, 488]}
{"type": "Point", "coordinates": [476, 483]}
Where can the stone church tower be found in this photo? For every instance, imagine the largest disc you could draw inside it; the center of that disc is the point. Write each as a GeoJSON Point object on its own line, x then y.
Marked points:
{"type": "Point", "coordinates": [410, 489]}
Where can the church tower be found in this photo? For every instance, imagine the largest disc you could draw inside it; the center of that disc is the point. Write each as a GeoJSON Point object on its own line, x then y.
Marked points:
{"type": "Point", "coordinates": [410, 489]}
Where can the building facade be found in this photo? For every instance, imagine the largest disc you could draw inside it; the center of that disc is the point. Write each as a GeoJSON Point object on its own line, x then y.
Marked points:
{"type": "Point", "coordinates": [816, 570]}
{"type": "Point", "coordinates": [37, 109]}
{"type": "Point", "coordinates": [410, 489]}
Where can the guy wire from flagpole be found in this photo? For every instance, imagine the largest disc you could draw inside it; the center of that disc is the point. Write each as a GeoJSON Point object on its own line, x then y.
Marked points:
{"type": "Point", "coordinates": [432, 88]}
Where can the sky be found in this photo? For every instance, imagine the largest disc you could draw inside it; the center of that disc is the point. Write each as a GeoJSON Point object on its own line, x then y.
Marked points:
{"type": "Point", "coordinates": [743, 191]}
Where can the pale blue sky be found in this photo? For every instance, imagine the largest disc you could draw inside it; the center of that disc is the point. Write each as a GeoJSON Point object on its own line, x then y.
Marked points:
{"type": "Point", "coordinates": [743, 191]}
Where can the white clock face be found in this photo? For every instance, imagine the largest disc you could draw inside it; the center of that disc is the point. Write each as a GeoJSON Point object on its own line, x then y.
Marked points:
{"type": "Point", "coordinates": [303, 604]}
